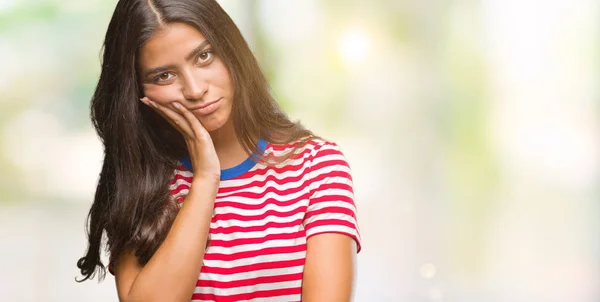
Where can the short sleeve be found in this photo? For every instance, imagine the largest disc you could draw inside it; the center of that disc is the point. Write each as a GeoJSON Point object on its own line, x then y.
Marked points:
{"type": "Point", "coordinates": [331, 208]}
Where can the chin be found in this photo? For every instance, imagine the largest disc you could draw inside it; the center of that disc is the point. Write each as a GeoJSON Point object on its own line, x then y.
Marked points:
{"type": "Point", "coordinates": [212, 125]}
{"type": "Point", "coordinates": [211, 128]}
{"type": "Point", "coordinates": [216, 121]}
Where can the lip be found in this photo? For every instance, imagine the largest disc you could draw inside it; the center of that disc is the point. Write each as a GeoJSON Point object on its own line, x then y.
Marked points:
{"type": "Point", "coordinates": [204, 105]}
{"type": "Point", "coordinates": [207, 108]}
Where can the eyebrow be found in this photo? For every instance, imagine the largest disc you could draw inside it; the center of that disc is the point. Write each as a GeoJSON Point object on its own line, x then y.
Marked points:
{"type": "Point", "coordinates": [190, 56]}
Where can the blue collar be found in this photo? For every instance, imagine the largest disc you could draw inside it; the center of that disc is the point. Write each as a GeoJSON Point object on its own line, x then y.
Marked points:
{"type": "Point", "coordinates": [238, 170]}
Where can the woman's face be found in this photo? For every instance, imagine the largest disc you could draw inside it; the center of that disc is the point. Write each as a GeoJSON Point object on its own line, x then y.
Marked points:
{"type": "Point", "coordinates": [178, 65]}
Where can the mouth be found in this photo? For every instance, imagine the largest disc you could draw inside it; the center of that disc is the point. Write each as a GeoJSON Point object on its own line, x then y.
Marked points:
{"type": "Point", "coordinates": [204, 105]}
{"type": "Point", "coordinates": [206, 109]}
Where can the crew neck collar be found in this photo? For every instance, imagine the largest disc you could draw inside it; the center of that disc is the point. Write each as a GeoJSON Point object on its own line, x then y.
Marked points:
{"type": "Point", "coordinates": [237, 170]}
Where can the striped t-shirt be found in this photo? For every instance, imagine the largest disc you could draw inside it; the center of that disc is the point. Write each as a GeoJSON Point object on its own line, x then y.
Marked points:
{"type": "Point", "coordinates": [264, 214]}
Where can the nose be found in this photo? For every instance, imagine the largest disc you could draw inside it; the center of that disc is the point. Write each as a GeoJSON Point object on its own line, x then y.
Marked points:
{"type": "Point", "coordinates": [194, 88]}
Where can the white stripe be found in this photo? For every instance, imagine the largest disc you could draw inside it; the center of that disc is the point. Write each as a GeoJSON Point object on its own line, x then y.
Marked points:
{"type": "Point", "coordinates": [237, 222]}
{"type": "Point", "coordinates": [336, 203]}
{"type": "Point", "coordinates": [248, 289]}
{"type": "Point", "coordinates": [183, 192]}
{"type": "Point", "coordinates": [328, 157]}
{"type": "Point", "coordinates": [253, 274]}
{"type": "Point", "coordinates": [262, 175]}
{"type": "Point", "coordinates": [258, 246]}
{"type": "Point", "coordinates": [255, 260]}
{"type": "Point", "coordinates": [178, 183]}
{"type": "Point", "coordinates": [279, 299]}
{"type": "Point", "coordinates": [184, 173]}
{"type": "Point", "coordinates": [266, 207]}
{"type": "Point", "coordinates": [283, 185]}
{"type": "Point", "coordinates": [342, 192]}
{"type": "Point", "coordinates": [282, 152]}
{"type": "Point", "coordinates": [331, 228]}
{"type": "Point", "coordinates": [326, 171]}
{"type": "Point", "coordinates": [339, 216]}
{"type": "Point", "coordinates": [256, 234]}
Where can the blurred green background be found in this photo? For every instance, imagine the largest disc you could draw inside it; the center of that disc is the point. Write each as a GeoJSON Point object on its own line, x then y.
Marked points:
{"type": "Point", "coordinates": [472, 128]}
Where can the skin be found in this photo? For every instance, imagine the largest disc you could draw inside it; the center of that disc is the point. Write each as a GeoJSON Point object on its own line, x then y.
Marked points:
{"type": "Point", "coordinates": [194, 76]}
{"type": "Point", "coordinates": [178, 66]}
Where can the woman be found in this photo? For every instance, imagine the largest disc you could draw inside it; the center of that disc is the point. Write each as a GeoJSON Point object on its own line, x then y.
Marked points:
{"type": "Point", "coordinates": [208, 191]}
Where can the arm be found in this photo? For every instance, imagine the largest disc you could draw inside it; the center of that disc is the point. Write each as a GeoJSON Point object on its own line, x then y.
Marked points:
{"type": "Point", "coordinates": [331, 228]}
{"type": "Point", "coordinates": [330, 269]}
{"type": "Point", "coordinates": [172, 272]}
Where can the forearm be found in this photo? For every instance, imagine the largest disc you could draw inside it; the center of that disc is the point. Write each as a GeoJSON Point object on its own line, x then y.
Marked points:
{"type": "Point", "coordinates": [172, 272]}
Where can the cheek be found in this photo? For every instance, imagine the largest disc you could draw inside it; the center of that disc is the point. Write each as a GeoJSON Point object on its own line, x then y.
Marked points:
{"type": "Point", "coordinates": [161, 94]}
{"type": "Point", "coordinates": [222, 77]}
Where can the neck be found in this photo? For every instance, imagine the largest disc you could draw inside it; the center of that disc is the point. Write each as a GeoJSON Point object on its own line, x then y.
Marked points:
{"type": "Point", "coordinates": [229, 150]}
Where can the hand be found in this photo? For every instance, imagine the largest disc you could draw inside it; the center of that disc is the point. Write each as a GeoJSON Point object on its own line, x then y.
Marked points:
{"type": "Point", "coordinates": [199, 143]}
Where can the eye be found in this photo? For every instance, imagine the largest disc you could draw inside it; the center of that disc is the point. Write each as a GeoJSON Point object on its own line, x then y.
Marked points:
{"type": "Point", "coordinates": [205, 56]}
{"type": "Point", "coordinates": [163, 77]}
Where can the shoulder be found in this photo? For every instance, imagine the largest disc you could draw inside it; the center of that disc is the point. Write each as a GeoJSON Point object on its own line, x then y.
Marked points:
{"type": "Point", "coordinates": [327, 160]}
{"type": "Point", "coordinates": [307, 149]}
{"type": "Point", "coordinates": [321, 157]}
{"type": "Point", "coordinates": [321, 147]}
{"type": "Point", "coordinates": [325, 153]}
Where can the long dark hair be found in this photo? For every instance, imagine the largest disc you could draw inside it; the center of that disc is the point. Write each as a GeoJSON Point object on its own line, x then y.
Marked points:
{"type": "Point", "coordinates": [141, 150]}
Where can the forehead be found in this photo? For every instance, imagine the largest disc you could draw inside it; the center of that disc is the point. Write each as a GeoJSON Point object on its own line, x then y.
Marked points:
{"type": "Point", "coordinates": [170, 44]}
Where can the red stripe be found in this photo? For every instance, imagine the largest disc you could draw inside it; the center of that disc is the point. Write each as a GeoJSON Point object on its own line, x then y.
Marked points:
{"type": "Point", "coordinates": [230, 216]}
{"type": "Point", "coordinates": [332, 198]}
{"type": "Point", "coordinates": [180, 188]}
{"type": "Point", "coordinates": [238, 191]}
{"type": "Point", "coordinates": [282, 147]}
{"type": "Point", "coordinates": [253, 267]}
{"type": "Point", "coordinates": [326, 151]}
{"type": "Point", "coordinates": [329, 163]}
{"type": "Point", "coordinates": [247, 296]}
{"type": "Point", "coordinates": [272, 169]}
{"type": "Point", "coordinates": [269, 157]}
{"type": "Point", "coordinates": [330, 210]}
{"type": "Point", "coordinates": [263, 182]}
{"type": "Point", "coordinates": [329, 222]}
{"type": "Point", "coordinates": [259, 228]}
{"type": "Point", "coordinates": [280, 170]}
{"type": "Point", "coordinates": [262, 205]}
{"type": "Point", "coordinates": [244, 241]}
{"type": "Point", "coordinates": [261, 195]}
{"type": "Point", "coordinates": [329, 186]}
{"type": "Point", "coordinates": [179, 176]}
{"type": "Point", "coordinates": [250, 282]}
{"type": "Point", "coordinates": [332, 174]}
{"type": "Point", "coordinates": [250, 254]}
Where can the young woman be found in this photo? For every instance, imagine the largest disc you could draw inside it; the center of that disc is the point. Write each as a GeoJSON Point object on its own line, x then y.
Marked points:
{"type": "Point", "coordinates": [208, 191]}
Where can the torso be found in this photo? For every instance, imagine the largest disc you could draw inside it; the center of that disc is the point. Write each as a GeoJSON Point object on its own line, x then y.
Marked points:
{"type": "Point", "coordinates": [257, 235]}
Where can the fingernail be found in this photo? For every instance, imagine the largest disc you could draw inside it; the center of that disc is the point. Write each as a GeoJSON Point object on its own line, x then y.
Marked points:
{"type": "Point", "coordinates": [177, 105]}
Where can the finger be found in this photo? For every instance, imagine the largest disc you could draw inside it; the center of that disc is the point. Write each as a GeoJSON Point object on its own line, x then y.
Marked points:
{"type": "Point", "coordinates": [193, 121]}
{"type": "Point", "coordinates": [158, 110]}
{"type": "Point", "coordinates": [175, 119]}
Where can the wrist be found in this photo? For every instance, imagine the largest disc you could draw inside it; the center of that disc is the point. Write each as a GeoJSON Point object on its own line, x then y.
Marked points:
{"type": "Point", "coordinates": [206, 180]}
